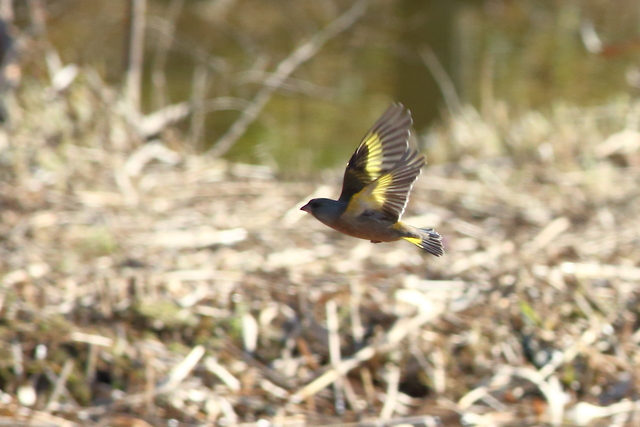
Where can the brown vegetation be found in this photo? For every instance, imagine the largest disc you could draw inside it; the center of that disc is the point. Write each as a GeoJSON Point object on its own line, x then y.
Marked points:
{"type": "Point", "coordinates": [141, 284]}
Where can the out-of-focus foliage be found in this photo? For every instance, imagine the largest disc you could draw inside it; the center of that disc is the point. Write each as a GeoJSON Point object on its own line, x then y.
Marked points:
{"type": "Point", "coordinates": [133, 276]}
{"type": "Point", "coordinates": [144, 284]}
{"type": "Point", "coordinates": [526, 53]}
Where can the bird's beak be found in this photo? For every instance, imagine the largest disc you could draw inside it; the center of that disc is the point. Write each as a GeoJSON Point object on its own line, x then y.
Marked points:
{"type": "Point", "coordinates": [306, 208]}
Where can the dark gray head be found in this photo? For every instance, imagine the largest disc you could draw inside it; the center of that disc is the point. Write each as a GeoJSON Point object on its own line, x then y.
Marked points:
{"type": "Point", "coordinates": [325, 210]}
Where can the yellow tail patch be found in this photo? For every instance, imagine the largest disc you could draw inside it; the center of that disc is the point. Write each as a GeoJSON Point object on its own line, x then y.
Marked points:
{"type": "Point", "coordinates": [415, 240]}
{"type": "Point", "coordinates": [430, 241]}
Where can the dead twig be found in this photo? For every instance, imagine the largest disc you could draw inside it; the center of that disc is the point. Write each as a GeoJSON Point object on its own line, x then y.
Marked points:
{"type": "Point", "coordinates": [299, 56]}
{"type": "Point", "coordinates": [135, 54]}
{"type": "Point", "coordinates": [445, 83]}
{"type": "Point", "coordinates": [60, 385]}
{"type": "Point", "coordinates": [158, 76]}
{"type": "Point", "coordinates": [400, 330]}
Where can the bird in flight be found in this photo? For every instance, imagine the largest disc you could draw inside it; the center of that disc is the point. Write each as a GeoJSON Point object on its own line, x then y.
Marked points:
{"type": "Point", "coordinates": [376, 187]}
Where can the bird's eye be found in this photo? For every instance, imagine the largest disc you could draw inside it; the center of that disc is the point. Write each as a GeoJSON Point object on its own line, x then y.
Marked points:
{"type": "Point", "coordinates": [315, 204]}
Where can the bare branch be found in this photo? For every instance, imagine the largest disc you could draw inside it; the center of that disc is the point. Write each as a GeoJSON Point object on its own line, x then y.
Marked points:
{"type": "Point", "coordinates": [447, 87]}
{"type": "Point", "coordinates": [165, 41]}
{"type": "Point", "coordinates": [299, 56]}
{"type": "Point", "coordinates": [135, 54]}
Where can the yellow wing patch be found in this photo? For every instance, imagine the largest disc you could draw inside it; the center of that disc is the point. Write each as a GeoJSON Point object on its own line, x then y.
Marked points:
{"type": "Point", "coordinates": [373, 162]}
{"type": "Point", "coordinates": [382, 147]}
{"type": "Point", "coordinates": [379, 192]}
{"type": "Point", "coordinates": [362, 201]}
{"type": "Point", "coordinates": [373, 196]}
{"type": "Point", "coordinates": [388, 194]}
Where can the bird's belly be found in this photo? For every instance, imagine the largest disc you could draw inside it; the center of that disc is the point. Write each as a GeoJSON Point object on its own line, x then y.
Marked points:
{"type": "Point", "coordinates": [366, 228]}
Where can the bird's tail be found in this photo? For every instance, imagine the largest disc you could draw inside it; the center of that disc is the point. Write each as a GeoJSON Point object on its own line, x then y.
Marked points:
{"type": "Point", "coordinates": [427, 239]}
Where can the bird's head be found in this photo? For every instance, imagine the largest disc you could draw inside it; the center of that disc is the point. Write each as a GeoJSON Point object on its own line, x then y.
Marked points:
{"type": "Point", "coordinates": [326, 210]}
{"type": "Point", "coordinates": [315, 205]}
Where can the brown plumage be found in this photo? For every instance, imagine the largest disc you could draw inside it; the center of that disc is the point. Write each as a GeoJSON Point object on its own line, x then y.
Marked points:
{"type": "Point", "coordinates": [376, 187]}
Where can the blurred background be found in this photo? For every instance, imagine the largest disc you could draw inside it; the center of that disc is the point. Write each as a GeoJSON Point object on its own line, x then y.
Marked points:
{"type": "Point", "coordinates": [155, 268]}
{"type": "Point", "coordinates": [521, 55]}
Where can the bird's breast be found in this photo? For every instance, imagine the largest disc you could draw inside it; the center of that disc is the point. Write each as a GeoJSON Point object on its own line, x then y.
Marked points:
{"type": "Point", "coordinates": [365, 226]}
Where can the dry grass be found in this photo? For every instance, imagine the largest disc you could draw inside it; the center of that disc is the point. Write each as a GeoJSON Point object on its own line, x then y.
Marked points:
{"type": "Point", "coordinates": [141, 284]}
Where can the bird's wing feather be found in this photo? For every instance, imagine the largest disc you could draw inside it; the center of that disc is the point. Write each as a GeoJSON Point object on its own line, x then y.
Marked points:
{"type": "Point", "coordinates": [390, 192]}
{"type": "Point", "coordinates": [380, 150]}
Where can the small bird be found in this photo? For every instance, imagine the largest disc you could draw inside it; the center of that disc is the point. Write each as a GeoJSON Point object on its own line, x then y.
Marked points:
{"type": "Point", "coordinates": [376, 187]}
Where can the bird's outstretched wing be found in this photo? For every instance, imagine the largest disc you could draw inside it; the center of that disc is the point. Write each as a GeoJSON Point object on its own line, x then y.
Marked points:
{"type": "Point", "coordinates": [390, 192]}
{"type": "Point", "coordinates": [380, 151]}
